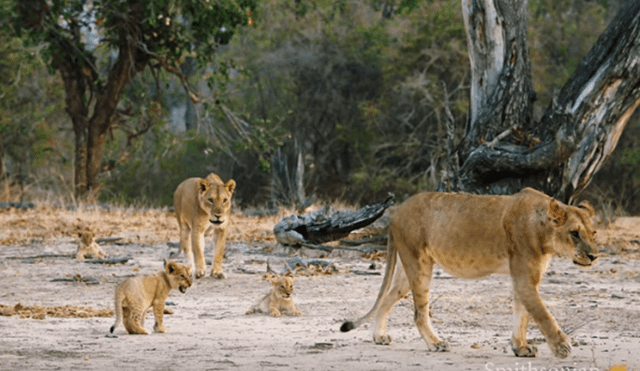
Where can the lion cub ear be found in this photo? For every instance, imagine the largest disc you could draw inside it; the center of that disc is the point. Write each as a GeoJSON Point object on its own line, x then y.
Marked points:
{"type": "Point", "coordinates": [586, 206]}
{"type": "Point", "coordinates": [557, 215]}
{"type": "Point", "coordinates": [230, 185]}
{"type": "Point", "coordinates": [171, 267]}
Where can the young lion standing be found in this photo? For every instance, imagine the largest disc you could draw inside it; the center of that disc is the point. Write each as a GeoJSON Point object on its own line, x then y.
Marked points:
{"type": "Point", "coordinates": [136, 295]}
{"type": "Point", "coordinates": [201, 203]}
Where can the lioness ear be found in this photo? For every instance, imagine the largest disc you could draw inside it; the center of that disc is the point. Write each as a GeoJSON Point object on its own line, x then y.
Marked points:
{"type": "Point", "coordinates": [202, 185]}
{"type": "Point", "coordinates": [556, 214]}
{"type": "Point", "coordinates": [586, 206]}
{"type": "Point", "coordinates": [230, 185]}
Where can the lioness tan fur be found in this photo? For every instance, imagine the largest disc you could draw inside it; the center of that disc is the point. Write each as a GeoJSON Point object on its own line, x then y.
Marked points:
{"type": "Point", "coordinates": [199, 204]}
{"type": "Point", "coordinates": [472, 236]}
{"type": "Point", "coordinates": [279, 299]}
{"type": "Point", "coordinates": [136, 295]}
{"type": "Point", "coordinates": [88, 248]}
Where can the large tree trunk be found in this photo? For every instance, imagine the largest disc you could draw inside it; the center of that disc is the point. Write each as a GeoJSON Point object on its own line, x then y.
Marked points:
{"type": "Point", "coordinates": [504, 149]}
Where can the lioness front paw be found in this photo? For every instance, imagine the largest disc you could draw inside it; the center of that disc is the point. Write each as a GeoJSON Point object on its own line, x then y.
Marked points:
{"type": "Point", "coordinates": [440, 346]}
{"type": "Point", "coordinates": [218, 275]}
{"type": "Point", "coordinates": [526, 350]}
{"type": "Point", "coordinates": [561, 350]}
{"type": "Point", "coordinates": [160, 329]}
{"type": "Point", "coordinates": [200, 272]}
{"type": "Point", "coordinates": [383, 339]}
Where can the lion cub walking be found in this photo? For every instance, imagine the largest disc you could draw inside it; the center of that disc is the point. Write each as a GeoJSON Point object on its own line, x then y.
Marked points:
{"type": "Point", "coordinates": [88, 246]}
{"type": "Point", "coordinates": [136, 295]}
{"type": "Point", "coordinates": [279, 299]}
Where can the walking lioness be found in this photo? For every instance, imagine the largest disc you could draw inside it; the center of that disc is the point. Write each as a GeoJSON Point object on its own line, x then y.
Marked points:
{"type": "Point", "coordinates": [472, 236]}
{"type": "Point", "coordinates": [201, 203]}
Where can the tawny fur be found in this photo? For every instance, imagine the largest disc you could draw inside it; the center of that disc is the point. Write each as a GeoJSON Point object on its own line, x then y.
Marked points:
{"type": "Point", "coordinates": [87, 247]}
{"type": "Point", "coordinates": [472, 236]}
{"type": "Point", "coordinates": [200, 204]}
{"type": "Point", "coordinates": [279, 300]}
{"type": "Point", "coordinates": [136, 295]}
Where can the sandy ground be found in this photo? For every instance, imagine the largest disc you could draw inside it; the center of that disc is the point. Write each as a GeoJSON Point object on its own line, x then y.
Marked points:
{"type": "Point", "coordinates": [598, 307]}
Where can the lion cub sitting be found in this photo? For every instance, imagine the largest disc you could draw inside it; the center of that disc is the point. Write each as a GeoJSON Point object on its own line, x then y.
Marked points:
{"type": "Point", "coordinates": [136, 295]}
{"type": "Point", "coordinates": [279, 299]}
{"type": "Point", "coordinates": [88, 248]}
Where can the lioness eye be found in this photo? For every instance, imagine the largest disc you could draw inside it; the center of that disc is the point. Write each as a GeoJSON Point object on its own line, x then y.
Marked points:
{"type": "Point", "coordinates": [225, 200]}
{"type": "Point", "coordinates": [575, 234]}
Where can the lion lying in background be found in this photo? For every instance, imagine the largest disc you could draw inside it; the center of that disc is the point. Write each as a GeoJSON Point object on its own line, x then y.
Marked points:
{"type": "Point", "coordinates": [88, 248]}
{"type": "Point", "coordinates": [136, 295]}
{"type": "Point", "coordinates": [279, 299]}
{"type": "Point", "coordinates": [472, 236]}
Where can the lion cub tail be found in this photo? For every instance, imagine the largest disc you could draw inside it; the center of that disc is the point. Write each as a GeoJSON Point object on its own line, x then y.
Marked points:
{"type": "Point", "coordinates": [392, 257]}
{"type": "Point", "coordinates": [118, 309]}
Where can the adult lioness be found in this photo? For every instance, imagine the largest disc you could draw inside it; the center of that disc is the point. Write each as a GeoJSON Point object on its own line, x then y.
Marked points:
{"type": "Point", "coordinates": [472, 236]}
{"type": "Point", "coordinates": [201, 203]}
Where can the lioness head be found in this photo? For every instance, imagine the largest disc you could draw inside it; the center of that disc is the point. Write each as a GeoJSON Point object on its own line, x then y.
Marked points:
{"type": "Point", "coordinates": [574, 233]}
{"type": "Point", "coordinates": [214, 198]}
{"type": "Point", "coordinates": [282, 285]}
{"type": "Point", "coordinates": [179, 276]}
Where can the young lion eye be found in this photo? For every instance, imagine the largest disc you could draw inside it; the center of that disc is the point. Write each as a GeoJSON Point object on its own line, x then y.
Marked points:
{"type": "Point", "coordinates": [210, 200]}
{"type": "Point", "coordinates": [575, 234]}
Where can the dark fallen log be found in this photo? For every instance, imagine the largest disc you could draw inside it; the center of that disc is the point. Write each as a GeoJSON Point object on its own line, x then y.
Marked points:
{"type": "Point", "coordinates": [326, 225]}
{"type": "Point", "coordinates": [42, 256]}
{"type": "Point", "coordinates": [382, 239]}
{"type": "Point", "coordinates": [108, 239]}
{"type": "Point", "coordinates": [109, 260]}
{"type": "Point", "coordinates": [78, 278]}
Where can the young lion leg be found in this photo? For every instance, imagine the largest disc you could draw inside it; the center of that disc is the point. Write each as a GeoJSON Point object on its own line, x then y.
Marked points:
{"type": "Point", "coordinates": [136, 319]}
{"type": "Point", "coordinates": [519, 340]}
{"type": "Point", "coordinates": [219, 239]}
{"type": "Point", "coordinates": [398, 289]}
{"type": "Point", "coordinates": [526, 280]}
{"type": "Point", "coordinates": [158, 311]}
{"type": "Point", "coordinates": [420, 282]}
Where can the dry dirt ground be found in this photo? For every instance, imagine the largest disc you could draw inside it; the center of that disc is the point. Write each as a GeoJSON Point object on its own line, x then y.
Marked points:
{"type": "Point", "coordinates": [62, 323]}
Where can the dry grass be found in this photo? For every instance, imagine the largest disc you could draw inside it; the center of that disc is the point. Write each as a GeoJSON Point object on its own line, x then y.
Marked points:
{"type": "Point", "coordinates": [147, 226]}
{"type": "Point", "coordinates": [65, 311]}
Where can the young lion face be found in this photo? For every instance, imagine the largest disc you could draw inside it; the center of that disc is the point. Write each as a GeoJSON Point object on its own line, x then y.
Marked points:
{"type": "Point", "coordinates": [179, 276]}
{"type": "Point", "coordinates": [282, 286]}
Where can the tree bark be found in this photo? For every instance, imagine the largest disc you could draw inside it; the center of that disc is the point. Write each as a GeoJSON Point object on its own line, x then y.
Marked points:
{"type": "Point", "coordinates": [504, 149]}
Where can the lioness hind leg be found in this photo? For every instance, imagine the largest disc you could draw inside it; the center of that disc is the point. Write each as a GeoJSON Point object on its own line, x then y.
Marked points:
{"type": "Point", "coordinates": [519, 343]}
{"type": "Point", "coordinates": [420, 282]}
{"type": "Point", "coordinates": [399, 288]}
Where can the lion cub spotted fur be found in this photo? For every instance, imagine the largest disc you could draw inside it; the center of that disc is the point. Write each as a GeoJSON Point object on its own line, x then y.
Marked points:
{"type": "Point", "coordinates": [88, 248]}
{"type": "Point", "coordinates": [279, 300]}
{"type": "Point", "coordinates": [136, 295]}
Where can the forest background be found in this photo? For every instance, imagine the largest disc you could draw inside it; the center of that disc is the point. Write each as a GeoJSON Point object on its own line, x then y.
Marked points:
{"type": "Point", "coordinates": [337, 99]}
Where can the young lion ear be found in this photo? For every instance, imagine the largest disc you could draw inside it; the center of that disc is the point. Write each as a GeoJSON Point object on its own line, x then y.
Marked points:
{"type": "Point", "coordinates": [171, 267]}
{"type": "Point", "coordinates": [556, 214]}
{"type": "Point", "coordinates": [230, 185]}
{"type": "Point", "coordinates": [586, 206]}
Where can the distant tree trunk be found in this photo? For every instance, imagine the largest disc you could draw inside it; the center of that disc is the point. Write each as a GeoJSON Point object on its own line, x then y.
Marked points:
{"type": "Point", "coordinates": [504, 149]}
